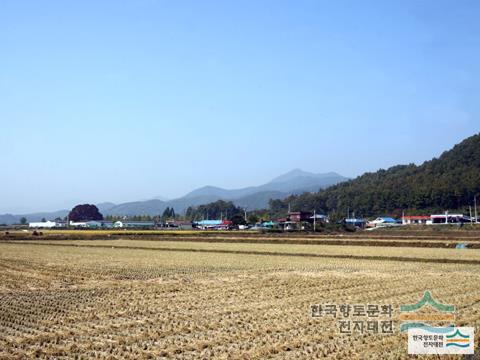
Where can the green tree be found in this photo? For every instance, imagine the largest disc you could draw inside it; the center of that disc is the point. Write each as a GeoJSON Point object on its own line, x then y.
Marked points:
{"type": "Point", "coordinates": [23, 220]}
{"type": "Point", "coordinates": [237, 219]}
{"type": "Point", "coordinates": [216, 210]}
{"type": "Point", "coordinates": [253, 219]}
{"type": "Point", "coordinates": [85, 212]}
{"type": "Point", "coordinates": [167, 213]}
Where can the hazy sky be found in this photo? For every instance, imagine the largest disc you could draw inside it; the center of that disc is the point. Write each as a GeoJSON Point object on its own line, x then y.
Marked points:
{"type": "Point", "coordinates": [127, 100]}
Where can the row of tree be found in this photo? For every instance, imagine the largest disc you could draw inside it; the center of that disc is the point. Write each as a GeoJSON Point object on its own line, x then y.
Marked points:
{"type": "Point", "coordinates": [216, 210]}
{"type": "Point", "coordinates": [168, 214]}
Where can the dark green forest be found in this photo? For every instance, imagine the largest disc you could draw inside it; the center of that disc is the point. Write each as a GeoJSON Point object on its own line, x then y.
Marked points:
{"type": "Point", "coordinates": [446, 183]}
{"type": "Point", "coordinates": [215, 210]}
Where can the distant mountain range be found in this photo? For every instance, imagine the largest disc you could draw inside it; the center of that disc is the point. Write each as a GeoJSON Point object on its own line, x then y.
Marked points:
{"type": "Point", "coordinates": [254, 197]}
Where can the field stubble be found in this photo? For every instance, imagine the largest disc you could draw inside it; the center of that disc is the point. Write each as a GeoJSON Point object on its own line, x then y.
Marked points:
{"type": "Point", "coordinates": [87, 302]}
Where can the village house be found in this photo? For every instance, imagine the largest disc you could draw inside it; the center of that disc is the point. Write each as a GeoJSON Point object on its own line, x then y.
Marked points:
{"type": "Point", "coordinates": [415, 219]}
{"type": "Point", "coordinates": [448, 219]}
{"type": "Point", "coordinates": [47, 224]}
{"type": "Point", "coordinates": [126, 224]}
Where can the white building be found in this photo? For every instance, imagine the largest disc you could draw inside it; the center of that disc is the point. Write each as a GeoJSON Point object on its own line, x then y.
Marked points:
{"type": "Point", "coordinates": [134, 224]}
{"type": "Point", "coordinates": [46, 224]}
{"type": "Point", "coordinates": [449, 219]}
{"type": "Point", "coordinates": [416, 220]}
{"type": "Point", "coordinates": [86, 224]}
{"type": "Point", "coordinates": [320, 217]}
{"type": "Point", "coordinates": [382, 222]}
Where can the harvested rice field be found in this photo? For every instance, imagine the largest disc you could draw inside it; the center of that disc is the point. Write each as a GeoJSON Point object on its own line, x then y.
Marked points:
{"type": "Point", "coordinates": [140, 299]}
{"type": "Point", "coordinates": [445, 254]}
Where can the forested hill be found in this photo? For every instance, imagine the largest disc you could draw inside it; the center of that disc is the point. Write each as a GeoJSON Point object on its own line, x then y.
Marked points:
{"type": "Point", "coordinates": [447, 182]}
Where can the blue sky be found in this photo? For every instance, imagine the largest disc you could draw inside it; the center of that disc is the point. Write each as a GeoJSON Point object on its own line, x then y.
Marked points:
{"type": "Point", "coordinates": [127, 100]}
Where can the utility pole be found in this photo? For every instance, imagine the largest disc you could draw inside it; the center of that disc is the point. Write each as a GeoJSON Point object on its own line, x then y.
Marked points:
{"type": "Point", "coordinates": [471, 218]}
{"type": "Point", "coordinates": [314, 220]}
{"type": "Point", "coordinates": [245, 212]}
{"type": "Point", "coordinates": [476, 215]}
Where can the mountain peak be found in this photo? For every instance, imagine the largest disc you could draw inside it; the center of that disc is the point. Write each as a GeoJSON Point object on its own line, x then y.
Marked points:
{"type": "Point", "coordinates": [291, 175]}
{"type": "Point", "coordinates": [206, 190]}
{"type": "Point", "coordinates": [162, 198]}
{"type": "Point", "coordinates": [298, 173]}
